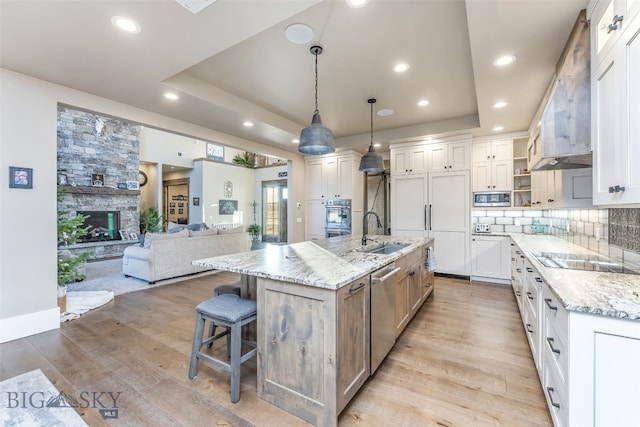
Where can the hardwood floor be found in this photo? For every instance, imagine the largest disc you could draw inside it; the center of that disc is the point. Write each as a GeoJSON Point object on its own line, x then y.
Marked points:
{"type": "Point", "coordinates": [463, 361]}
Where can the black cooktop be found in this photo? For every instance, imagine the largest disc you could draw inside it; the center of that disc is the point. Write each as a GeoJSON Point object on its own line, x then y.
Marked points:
{"type": "Point", "coordinates": [581, 262]}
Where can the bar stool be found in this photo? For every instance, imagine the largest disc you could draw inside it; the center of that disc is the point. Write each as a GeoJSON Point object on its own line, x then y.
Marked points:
{"type": "Point", "coordinates": [233, 288]}
{"type": "Point", "coordinates": [231, 312]}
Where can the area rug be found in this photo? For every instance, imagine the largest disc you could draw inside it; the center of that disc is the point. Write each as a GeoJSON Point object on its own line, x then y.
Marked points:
{"type": "Point", "coordinates": [30, 400]}
{"type": "Point", "coordinates": [79, 302]}
{"type": "Point", "coordinates": [107, 276]}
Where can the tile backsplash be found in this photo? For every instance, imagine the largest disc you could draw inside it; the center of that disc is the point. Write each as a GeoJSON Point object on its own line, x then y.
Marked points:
{"type": "Point", "coordinates": [612, 232]}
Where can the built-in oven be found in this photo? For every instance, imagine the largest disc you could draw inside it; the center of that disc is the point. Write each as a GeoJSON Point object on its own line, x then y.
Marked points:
{"type": "Point", "coordinates": [337, 217]}
{"type": "Point", "coordinates": [492, 199]}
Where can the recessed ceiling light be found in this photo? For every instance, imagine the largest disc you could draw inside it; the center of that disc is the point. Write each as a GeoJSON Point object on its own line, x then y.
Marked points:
{"type": "Point", "coordinates": [377, 145]}
{"type": "Point", "coordinates": [498, 128]}
{"type": "Point", "coordinates": [385, 112]}
{"type": "Point", "coordinates": [504, 60]}
{"type": "Point", "coordinates": [170, 95]}
{"type": "Point", "coordinates": [247, 124]}
{"type": "Point", "coordinates": [357, 3]}
{"type": "Point", "coordinates": [126, 24]}
{"type": "Point", "coordinates": [295, 141]}
{"type": "Point", "coordinates": [401, 67]}
{"type": "Point", "coordinates": [299, 33]}
{"type": "Point", "coordinates": [500, 104]}
{"type": "Point", "coordinates": [423, 102]}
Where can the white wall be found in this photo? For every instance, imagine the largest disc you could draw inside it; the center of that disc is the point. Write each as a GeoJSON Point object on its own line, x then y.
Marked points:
{"type": "Point", "coordinates": [28, 112]}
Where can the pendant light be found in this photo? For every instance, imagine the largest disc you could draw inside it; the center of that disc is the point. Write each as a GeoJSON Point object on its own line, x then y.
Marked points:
{"type": "Point", "coordinates": [316, 139]}
{"type": "Point", "coordinates": [371, 162]}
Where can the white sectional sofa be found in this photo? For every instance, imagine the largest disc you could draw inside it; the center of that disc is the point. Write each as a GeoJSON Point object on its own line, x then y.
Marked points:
{"type": "Point", "coordinates": [167, 255]}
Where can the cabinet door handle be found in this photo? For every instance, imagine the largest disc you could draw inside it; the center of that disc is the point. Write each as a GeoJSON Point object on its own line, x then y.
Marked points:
{"type": "Point", "coordinates": [529, 296]}
{"type": "Point", "coordinates": [518, 270]}
{"type": "Point", "coordinates": [614, 25]}
{"type": "Point", "coordinates": [539, 280]}
{"type": "Point", "coordinates": [412, 273]}
{"type": "Point", "coordinates": [548, 302]}
{"type": "Point", "coordinates": [430, 218]}
{"type": "Point", "coordinates": [550, 341]}
{"type": "Point", "coordinates": [518, 293]}
{"type": "Point", "coordinates": [357, 288]}
{"type": "Point", "coordinates": [529, 269]}
{"type": "Point", "coordinates": [550, 200]}
{"type": "Point", "coordinates": [528, 327]}
{"type": "Point", "coordinates": [425, 217]}
{"type": "Point", "coordinates": [549, 391]}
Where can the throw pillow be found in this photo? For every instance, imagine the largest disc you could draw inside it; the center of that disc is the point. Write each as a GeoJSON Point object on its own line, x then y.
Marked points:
{"type": "Point", "coordinates": [171, 225]}
{"type": "Point", "coordinates": [211, 232]}
{"type": "Point", "coordinates": [197, 226]}
{"type": "Point", "coordinates": [151, 237]}
{"type": "Point", "coordinates": [176, 229]}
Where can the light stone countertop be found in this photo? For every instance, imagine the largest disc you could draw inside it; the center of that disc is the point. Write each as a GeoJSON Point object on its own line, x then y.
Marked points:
{"type": "Point", "coordinates": [328, 263]}
{"type": "Point", "coordinates": [605, 294]}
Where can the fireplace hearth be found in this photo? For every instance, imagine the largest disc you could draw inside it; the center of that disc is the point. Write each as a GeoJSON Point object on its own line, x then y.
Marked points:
{"type": "Point", "coordinates": [103, 225]}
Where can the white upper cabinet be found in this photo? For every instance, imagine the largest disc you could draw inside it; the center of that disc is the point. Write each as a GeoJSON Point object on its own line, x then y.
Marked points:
{"type": "Point", "coordinates": [492, 168]}
{"type": "Point", "coordinates": [615, 89]}
{"type": "Point", "coordinates": [333, 177]}
{"type": "Point", "coordinates": [407, 161]}
{"type": "Point", "coordinates": [445, 157]}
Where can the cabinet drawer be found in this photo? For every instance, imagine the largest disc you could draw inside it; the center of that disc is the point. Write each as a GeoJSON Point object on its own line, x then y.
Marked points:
{"type": "Point", "coordinates": [414, 256]}
{"type": "Point", "coordinates": [556, 348]}
{"type": "Point", "coordinates": [554, 310]}
{"type": "Point", "coordinates": [532, 294]}
{"type": "Point", "coordinates": [555, 393]}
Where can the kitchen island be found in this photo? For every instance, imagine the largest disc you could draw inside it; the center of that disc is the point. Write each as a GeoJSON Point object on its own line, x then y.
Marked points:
{"type": "Point", "coordinates": [313, 326]}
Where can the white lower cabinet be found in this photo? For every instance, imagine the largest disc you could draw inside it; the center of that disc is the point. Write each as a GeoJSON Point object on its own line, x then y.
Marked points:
{"type": "Point", "coordinates": [490, 257]}
{"type": "Point", "coordinates": [589, 365]}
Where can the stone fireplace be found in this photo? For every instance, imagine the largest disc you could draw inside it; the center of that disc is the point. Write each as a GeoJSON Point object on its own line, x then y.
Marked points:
{"type": "Point", "coordinates": [88, 145]}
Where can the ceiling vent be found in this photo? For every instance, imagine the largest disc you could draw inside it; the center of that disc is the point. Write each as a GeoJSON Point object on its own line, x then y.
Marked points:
{"type": "Point", "coordinates": [195, 6]}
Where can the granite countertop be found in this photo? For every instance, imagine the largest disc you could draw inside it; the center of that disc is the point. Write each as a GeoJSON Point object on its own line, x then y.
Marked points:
{"type": "Point", "coordinates": [592, 292]}
{"type": "Point", "coordinates": [328, 263]}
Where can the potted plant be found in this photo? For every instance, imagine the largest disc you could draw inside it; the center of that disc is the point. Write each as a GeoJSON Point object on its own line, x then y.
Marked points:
{"type": "Point", "coordinates": [254, 230]}
{"type": "Point", "coordinates": [70, 230]}
{"type": "Point", "coordinates": [150, 220]}
{"type": "Point", "coordinates": [245, 159]}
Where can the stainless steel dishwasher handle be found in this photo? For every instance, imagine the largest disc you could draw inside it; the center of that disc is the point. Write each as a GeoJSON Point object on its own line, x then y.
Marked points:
{"type": "Point", "coordinates": [385, 277]}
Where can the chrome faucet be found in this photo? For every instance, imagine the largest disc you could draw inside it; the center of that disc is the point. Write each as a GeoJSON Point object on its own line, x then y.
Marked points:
{"type": "Point", "coordinates": [364, 225]}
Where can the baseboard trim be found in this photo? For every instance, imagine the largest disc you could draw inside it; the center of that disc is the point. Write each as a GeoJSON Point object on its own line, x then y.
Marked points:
{"type": "Point", "coordinates": [13, 328]}
{"type": "Point", "coordinates": [491, 280]}
{"type": "Point", "coordinates": [452, 276]}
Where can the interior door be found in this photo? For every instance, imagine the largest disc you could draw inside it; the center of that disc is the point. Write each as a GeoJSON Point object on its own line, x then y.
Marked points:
{"type": "Point", "coordinates": [449, 220]}
{"type": "Point", "coordinates": [274, 211]}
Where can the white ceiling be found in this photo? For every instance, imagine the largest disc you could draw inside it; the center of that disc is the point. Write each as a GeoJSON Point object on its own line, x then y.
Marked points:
{"type": "Point", "coordinates": [231, 62]}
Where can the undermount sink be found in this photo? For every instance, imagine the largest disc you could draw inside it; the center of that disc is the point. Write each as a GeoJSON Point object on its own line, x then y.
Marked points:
{"type": "Point", "coordinates": [385, 248]}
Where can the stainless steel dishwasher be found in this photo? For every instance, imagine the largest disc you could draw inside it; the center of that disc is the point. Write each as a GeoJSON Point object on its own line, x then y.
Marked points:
{"type": "Point", "coordinates": [383, 306]}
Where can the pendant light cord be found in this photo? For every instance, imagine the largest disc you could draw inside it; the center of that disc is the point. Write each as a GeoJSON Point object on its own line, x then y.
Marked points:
{"type": "Point", "coordinates": [316, 111]}
{"type": "Point", "coordinates": [371, 123]}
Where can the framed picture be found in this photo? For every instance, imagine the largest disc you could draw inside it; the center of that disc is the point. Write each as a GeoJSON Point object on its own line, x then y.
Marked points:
{"type": "Point", "coordinates": [20, 177]}
{"type": "Point", "coordinates": [196, 201]}
{"type": "Point", "coordinates": [181, 205]}
{"type": "Point", "coordinates": [133, 185]}
{"type": "Point", "coordinates": [97, 179]}
{"type": "Point", "coordinates": [124, 234]}
{"type": "Point", "coordinates": [172, 204]}
{"type": "Point", "coordinates": [133, 236]}
{"type": "Point", "coordinates": [227, 207]}
{"type": "Point", "coordinates": [122, 185]}
{"type": "Point", "coordinates": [180, 211]}
{"type": "Point", "coordinates": [172, 211]}
{"type": "Point", "coordinates": [62, 179]}
{"type": "Point", "coordinates": [215, 151]}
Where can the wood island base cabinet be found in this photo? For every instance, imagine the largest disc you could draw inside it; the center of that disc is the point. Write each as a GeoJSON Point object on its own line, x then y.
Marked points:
{"type": "Point", "coordinates": [313, 347]}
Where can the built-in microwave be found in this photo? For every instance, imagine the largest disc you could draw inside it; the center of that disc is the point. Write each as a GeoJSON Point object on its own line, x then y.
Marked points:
{"type": "Point", "coordinates": [491, 199]}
